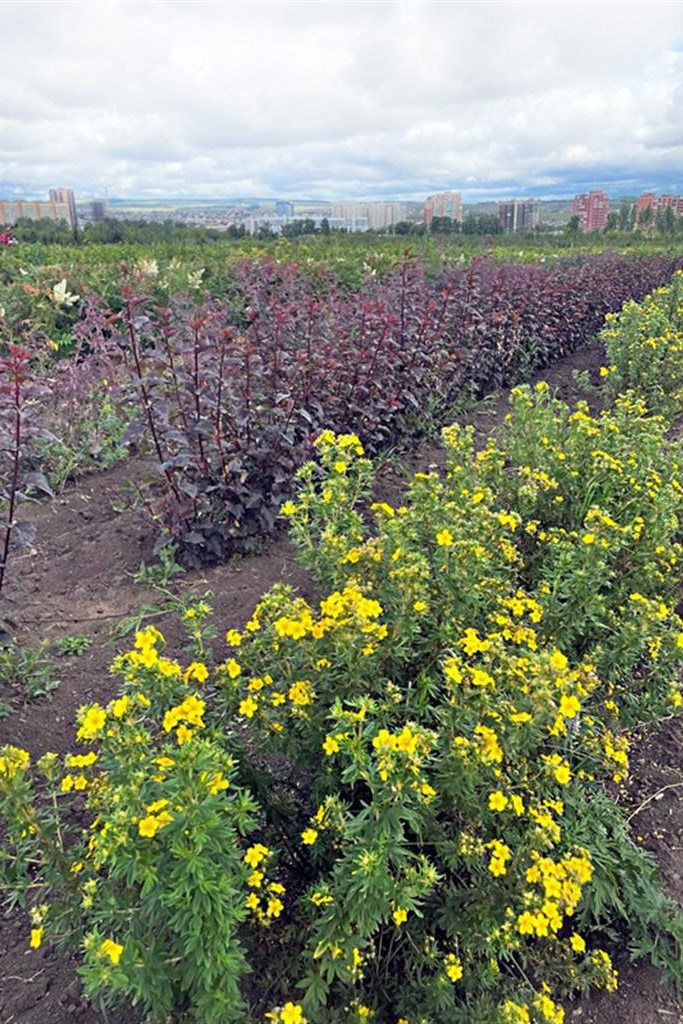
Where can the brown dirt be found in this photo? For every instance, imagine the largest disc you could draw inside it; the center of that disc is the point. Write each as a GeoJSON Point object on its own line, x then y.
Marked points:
{"type": "Point", "coordinates": [79, 581]}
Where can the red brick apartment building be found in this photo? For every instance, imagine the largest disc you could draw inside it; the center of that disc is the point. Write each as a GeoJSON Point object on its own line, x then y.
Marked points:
{"type": "Point", "coordinates": [592, 210]}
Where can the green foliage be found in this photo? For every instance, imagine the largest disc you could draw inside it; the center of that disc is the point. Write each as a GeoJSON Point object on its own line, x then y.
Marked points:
{"type": "Point", "coordinates": [27, 671]}
{"type": "Point", "coordinates": [73, 645]}
{"type": "Point", "coordinates": [644, 343]}
{"type": "Point", "coordinates": [163, 572]}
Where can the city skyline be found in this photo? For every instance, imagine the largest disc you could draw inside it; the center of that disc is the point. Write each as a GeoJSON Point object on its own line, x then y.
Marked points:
{"type": "Point", "coordinates": [341, 101]}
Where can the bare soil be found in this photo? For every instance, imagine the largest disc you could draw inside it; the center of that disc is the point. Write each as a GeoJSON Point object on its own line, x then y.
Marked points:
{"type": "Point", "coordinates": [79, 582]}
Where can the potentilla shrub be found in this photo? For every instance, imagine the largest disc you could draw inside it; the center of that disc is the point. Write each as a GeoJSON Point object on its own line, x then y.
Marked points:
{"type": "Point", "coordinates": [382, 802]}
{"type": "Point", "coordinates": [462, 749]}
{"type": "Point", "coordinates": [644, 342]}
{"type": "Point", "coordinates": [151, 889]}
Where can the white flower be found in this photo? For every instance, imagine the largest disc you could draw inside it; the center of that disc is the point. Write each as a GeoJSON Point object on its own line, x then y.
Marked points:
{"type": "Point", "coordinates": [61, 297]}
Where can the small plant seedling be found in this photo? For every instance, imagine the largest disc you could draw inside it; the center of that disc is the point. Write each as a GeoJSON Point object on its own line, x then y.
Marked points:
{"type": "Point", "coordinates": [74, 645]}
{"type": "Point", "coordinates": [163, 572]}
{"type": "Point", "coordinates": [28, 670]}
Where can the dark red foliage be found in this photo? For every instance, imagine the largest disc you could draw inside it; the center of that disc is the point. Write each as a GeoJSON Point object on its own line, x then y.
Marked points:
{"type": "Point", "coordinates": [232, 393]}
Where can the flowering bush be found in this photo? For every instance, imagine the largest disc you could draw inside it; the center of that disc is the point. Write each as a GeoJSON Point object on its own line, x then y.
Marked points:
{"type": "Point", "coordinates": [644, 342]}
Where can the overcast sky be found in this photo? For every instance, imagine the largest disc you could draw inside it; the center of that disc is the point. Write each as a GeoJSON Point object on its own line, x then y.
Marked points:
{"type": "Point", "coordinates": [324, 100]}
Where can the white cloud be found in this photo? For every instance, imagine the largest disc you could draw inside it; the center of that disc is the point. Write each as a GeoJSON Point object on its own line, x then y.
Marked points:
{"type": "Point", "coordinates": [337, 99]}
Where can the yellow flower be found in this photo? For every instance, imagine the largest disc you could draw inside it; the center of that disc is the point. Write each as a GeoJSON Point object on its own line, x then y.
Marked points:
{"type": "Point", "coordinates": [233, 637]}
{"type": "Point", "coordinates": [444, 538]}
{"type": "Point", "coordinates": [497, 801]}
{"type": "Point", "coordinates": [300, 693]}
{"type": "Point", "coordinates": [255, 854]}
{"type": "Point", "coordinates": [479, 677]}
{"type": "Point", "coordinates": [233, 668]}
{"type": "Point", "coordinates": [320, 899]}
{"type": "Point", "coordinates": [569, 706]}
{"type": "Point", "coordinates": [309, 836]}
{"type": "Point", "coordinates": [453, 967]}
{"type": "Point", "coordinates": [292, 1013]}
{"type": "Point", "coordinates": [588, 538]}
{"type": "Point", "coordinates": [218, 784]}
{"type": "Point", "coordinates": [196, 670]}
{"type": "Point", "coordinates": [400, 916]}
{"type": "Point", "coordinates": [330, 746]}
{"type": "Point", "coordinates": [148, 826]}
{"type": "Point", "coordinates": [158, 805]}
{"type": "Point", "coordinates": [577, 943]}
{"type": "Point", "coordinates": [517, 804]}
{"type": "Point", "coordinates": [275, 907]}
{"type": "Point", "coordinates": [248, 707]}
{"type": "Point", "coordinates": [36, 938]}
{"type": "Point", "coordinates": [255, 879]}
{"type": "Point", "coordinates": [91, 722]}
{"type": "Point", "coordinates": [183, 735]}
{"type": "Point", "coordinates": [112, 949]}
{"type": "Point", "coordinates": [288, 509]}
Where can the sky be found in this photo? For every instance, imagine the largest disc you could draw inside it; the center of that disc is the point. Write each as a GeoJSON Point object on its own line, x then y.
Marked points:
{"type": "Point", "coordinates": [340, 100]}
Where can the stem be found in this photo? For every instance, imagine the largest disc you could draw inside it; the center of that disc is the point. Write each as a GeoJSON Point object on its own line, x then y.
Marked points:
{"type": "Point", "coordinates": [147, 403]}
{"type": "Point", "coordinates": [197, 404]}
{"type": "Point", "coordinates": [15, 453]}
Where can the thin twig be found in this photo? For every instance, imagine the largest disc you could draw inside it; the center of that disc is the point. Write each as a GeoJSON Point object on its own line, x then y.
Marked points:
{"type": "Point", "coordinates": [26, 981]}
{"type": "Point", "coordinates": [653, 796]}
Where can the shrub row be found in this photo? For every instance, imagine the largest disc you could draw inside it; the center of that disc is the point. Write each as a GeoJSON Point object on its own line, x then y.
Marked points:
{"type": "Point", "coordinates": [230, 392]}
{"type": "Point", "coordinates": [399, 803]}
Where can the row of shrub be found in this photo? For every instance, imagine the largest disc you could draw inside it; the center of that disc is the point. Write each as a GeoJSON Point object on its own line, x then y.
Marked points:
{"type": "Point", "coordinates": [229, 392]}
{"type": "Point", "coordinates": [399, 803]}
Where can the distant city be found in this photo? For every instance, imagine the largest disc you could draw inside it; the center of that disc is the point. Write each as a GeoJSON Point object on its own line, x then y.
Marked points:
{"type": "Point", "coordinates": [588, 212]}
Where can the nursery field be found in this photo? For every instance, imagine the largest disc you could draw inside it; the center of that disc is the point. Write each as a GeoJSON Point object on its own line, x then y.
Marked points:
{"type": "Point", "coordinates": [342, 667]}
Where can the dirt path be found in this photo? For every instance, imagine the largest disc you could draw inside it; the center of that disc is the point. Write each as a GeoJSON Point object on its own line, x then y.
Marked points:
{"type": "Point", "coordinates": [79, 582]}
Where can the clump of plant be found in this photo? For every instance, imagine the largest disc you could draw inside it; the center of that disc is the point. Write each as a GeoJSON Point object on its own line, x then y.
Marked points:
{"type": "Point", "coordinates": [644, 342]}
{"type": "Point", "coordinates": [439, 861]}
{"type": "Point", "coordinates": [28, 672]}
{"type": "Point", "coordinates": [153, 888]}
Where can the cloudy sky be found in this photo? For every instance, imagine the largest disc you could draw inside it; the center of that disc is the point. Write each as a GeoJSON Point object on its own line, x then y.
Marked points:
{"type": "Point", "coordinates": [324, 100]}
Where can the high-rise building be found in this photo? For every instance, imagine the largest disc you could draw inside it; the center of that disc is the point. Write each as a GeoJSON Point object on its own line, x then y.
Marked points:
{"type": "Point", "coordinates": [98, 211]}
{"type": "Point", "coordinates": [12, 210]}
{"type": "Point", "coordinates": [443, 204]}
{"type": "Point", "coordinates": [648, 200]}
{"type": "Point", "coordinates": [66, 195]}
{"type": "Point", "coordinates": [373, 216]}
{"type": "Point", "coordinates": [518, 215]}
{"type": "Point", "coordinates": [592, 210]}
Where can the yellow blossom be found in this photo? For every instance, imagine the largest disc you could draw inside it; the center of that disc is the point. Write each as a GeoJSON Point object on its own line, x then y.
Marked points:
{"type": "Point", "coordinates": [497, 801]}
{"type": "Point", "coordinates": [112, 949]}
{"type": "Point", "coordinates": [248, 707]}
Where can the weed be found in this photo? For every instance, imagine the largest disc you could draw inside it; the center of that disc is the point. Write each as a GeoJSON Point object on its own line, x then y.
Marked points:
{"type": "Point", "coordinates": [29, 671]}
{"type": "Point", "coordinates": [163, 572]}
{"type": "Point", "coordinates": [74, 645]}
